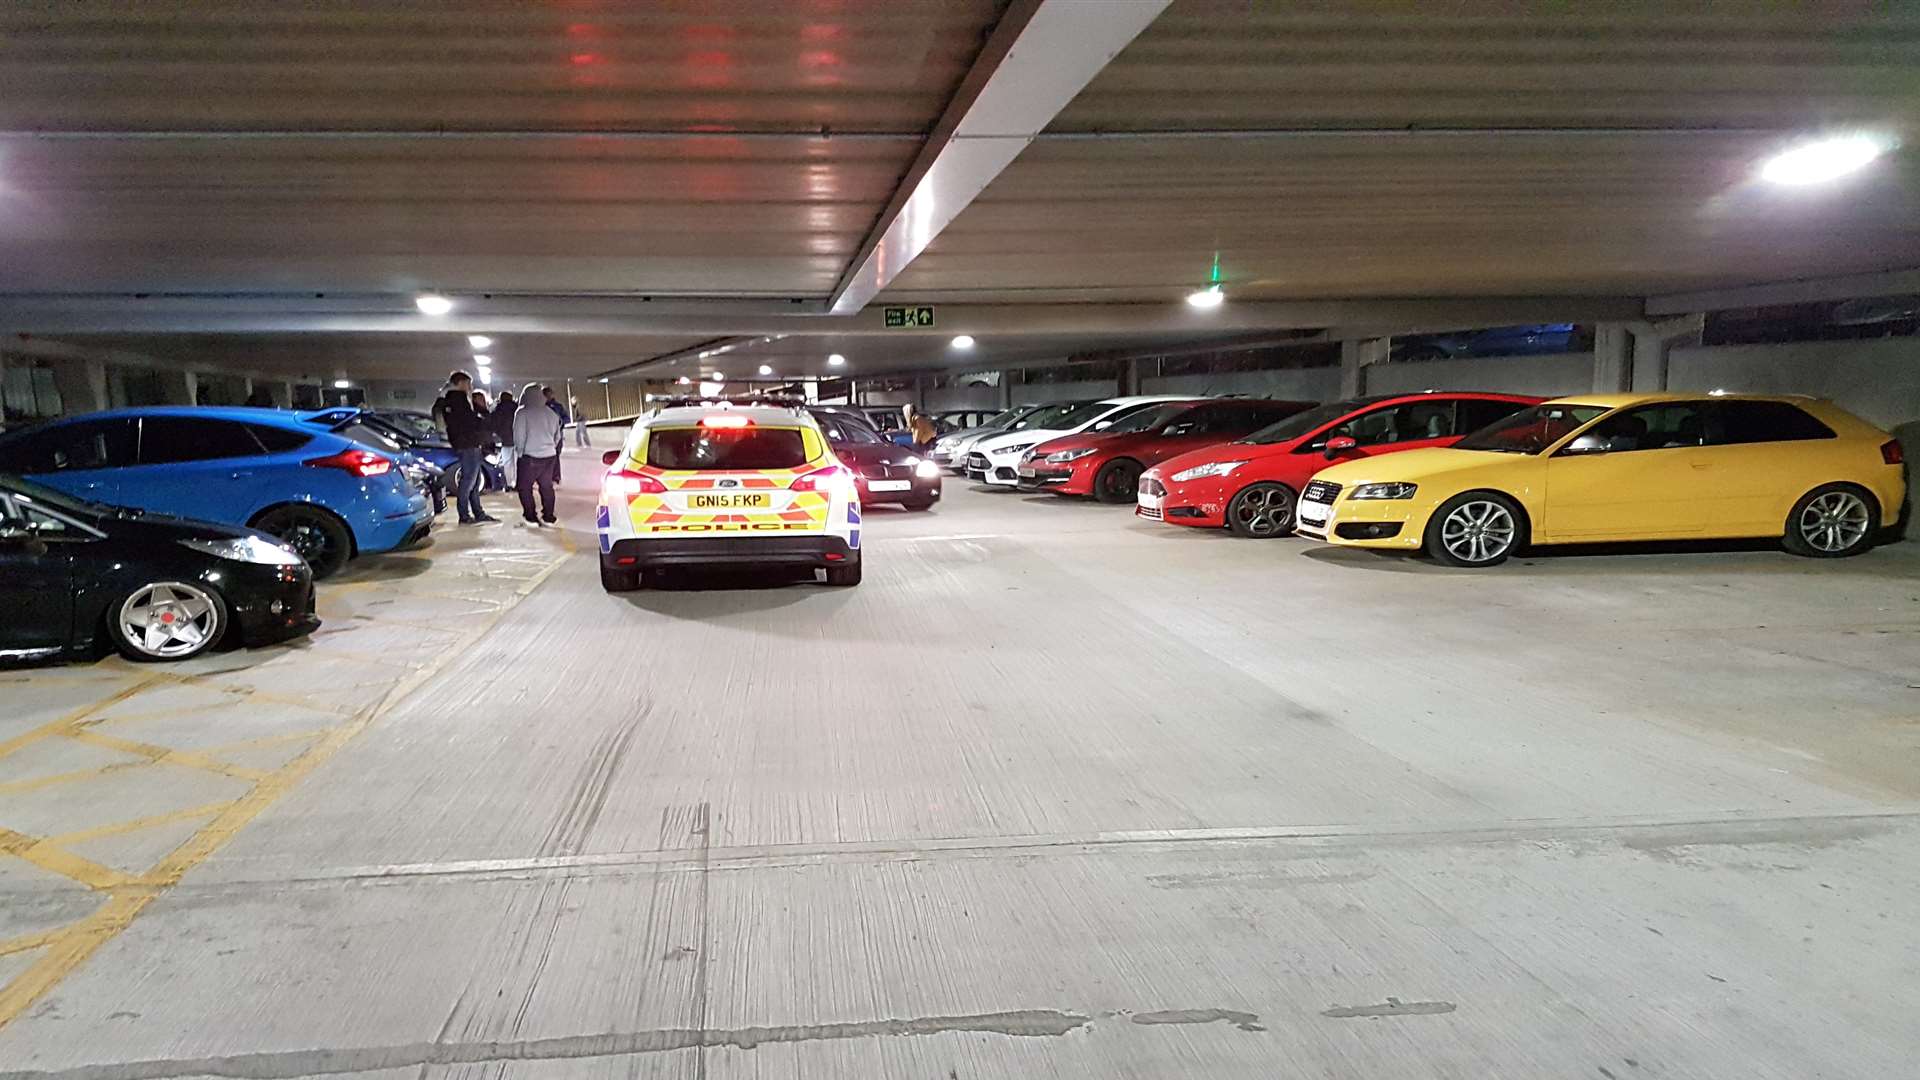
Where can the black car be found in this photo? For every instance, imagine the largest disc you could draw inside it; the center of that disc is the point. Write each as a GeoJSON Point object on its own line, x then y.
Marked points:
{"type": "Point", "coordinates": [156, 587]}
{"type": "Point", "coordinates": [885, 472]}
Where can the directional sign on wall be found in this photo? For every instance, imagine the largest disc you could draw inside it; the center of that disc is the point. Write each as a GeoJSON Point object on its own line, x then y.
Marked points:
{"type": "Point", "coordinates": [908, 318]}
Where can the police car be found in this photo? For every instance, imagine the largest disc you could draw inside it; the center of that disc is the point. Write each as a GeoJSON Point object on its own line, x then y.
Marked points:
{"type": "Point", "coordinates": [722, 484]}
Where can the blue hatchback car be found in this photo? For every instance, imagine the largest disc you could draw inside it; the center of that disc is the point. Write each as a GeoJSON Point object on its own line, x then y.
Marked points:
{"type": "Point", "coordinates": [328, 495]}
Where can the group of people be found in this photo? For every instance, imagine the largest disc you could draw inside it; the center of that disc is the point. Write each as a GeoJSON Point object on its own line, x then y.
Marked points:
{"type": "Point", "coordinates": [528, 433]}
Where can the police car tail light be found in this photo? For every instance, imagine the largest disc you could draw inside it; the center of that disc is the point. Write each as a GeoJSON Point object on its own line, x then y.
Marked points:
{"type": "Point", "coordinates": [726, 421]}
{"type": "Point", "coordinates": [622, 482]}
{"type": "Point", "coordinates": [820, 479]}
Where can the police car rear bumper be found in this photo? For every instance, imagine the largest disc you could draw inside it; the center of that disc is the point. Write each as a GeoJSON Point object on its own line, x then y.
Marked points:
{"type": "Point", "coordinates": [816, 550]}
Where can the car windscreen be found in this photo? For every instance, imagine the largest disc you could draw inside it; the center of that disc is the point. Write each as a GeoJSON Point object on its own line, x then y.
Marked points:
{"type": "Point", "coordinates": [416, 425]}
{"type": "Point", "coordinates": [1080, 414]}
{"type": "Point", "coordinates": [369, 435]}
{"type": "Point", "coordinates": [1044, 418]}
{"type": "Point", "coordinates": [31, 493]}
{"type": "Point", "coordinates": [725, 448]}
{"type": "Point", "coordinates": [1148, 419]}
{"type": "Point", "coordinates": [1002, 419]}
{"type": "Point", "coordinates": [1530, 431]}
{"type": "Point", "coordinates": [1301, 423]}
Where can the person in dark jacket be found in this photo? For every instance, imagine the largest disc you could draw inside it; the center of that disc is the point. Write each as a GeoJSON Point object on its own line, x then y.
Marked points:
{"type": "Point", "coordinates": [467, 434]}
{"type": "Point", "coordinates": [503, 409]}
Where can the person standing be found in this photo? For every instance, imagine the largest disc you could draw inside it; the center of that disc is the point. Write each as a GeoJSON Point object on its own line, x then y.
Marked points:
{"type": "Point", "coordinates": [468, 437]}
{"type": "Point", "coordinates": [538, 433]}
{"type": "Point", "coordinates": [493, 479]}
{"type": "Point", "coordinates": [503, 410]}
{"type": "Point", "coordinates": [560, 411]}
{"type": "Point", "coordinates": [579, 424]}
{"type": "Point", "coordinates": [921, 427]}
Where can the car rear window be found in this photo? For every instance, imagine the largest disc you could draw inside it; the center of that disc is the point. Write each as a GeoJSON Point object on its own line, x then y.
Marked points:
{"type": "Point", "coordinates": [725, 448]}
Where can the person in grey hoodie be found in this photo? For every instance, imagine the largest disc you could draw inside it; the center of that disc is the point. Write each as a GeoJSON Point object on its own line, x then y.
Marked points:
{"type": "Point", "coordinates": [537, 434]}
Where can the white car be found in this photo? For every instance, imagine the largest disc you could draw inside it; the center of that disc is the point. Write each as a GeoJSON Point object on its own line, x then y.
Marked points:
{"type": "Point", "coordinates": [719, 484]}
{"type": "Point", "coordinates": [995, 460]}
{"type": "Point", "coordinates": [950, 450]}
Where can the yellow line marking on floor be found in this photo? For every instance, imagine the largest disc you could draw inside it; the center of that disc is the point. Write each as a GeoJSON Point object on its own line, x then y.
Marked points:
{"type": "Point", "coordinates": [21, 787]}
{"type": "Point", "coordinates": [119, 828]}
{"type": "Point", "coordinates": [9, 946]}
{"type": "Point", "coordinates": [207, 681]}
{"type": "Point", "coordinates": [73, 719]}
{"type": "Point", "coordinates": [265, 741]}
{"type": "Point", "coordinates": [168, 755]}
{"type": "Point", "coordinates": [48, 856]}
{"type": "Point", "coordinates": [73, 946]}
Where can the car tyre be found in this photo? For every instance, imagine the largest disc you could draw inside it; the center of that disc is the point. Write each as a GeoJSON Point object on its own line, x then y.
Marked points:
{"type": "Point", "coordinates": [1262, 511]}
{"type": "Point", "coordinates": [164, 621]}
{"type": "Point", "coordinates": [1118, 481]}
{"type": "Point", "coordinates": [319, 537]}
{"type": "Point", "coordinates": [848, 574]}
{"type": "Point", "coordinates": [1832, 521]}
{"type": "Point", "coordinates": [1476, 529]}
{"type": "Point", "coordinates": [615, 580]}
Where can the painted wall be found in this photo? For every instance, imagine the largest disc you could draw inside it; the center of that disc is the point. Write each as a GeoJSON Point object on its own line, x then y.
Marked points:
{"type": "Point", "coordinates": [1064, 391]}
{"type": "Point", "coordinates": [1285, 384]}
{"type": "Point", "coordinates": [383, 394]}
{"type": "Point", "coordinates": [1548, 376]}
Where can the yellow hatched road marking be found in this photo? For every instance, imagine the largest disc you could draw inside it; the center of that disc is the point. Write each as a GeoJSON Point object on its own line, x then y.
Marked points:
{"type": "Point", "coordinates": [168, 755]}
{"type": "Point", "coordinates": [70, 947]}
{"type": "Point", "coordinates": [9, 946]}
{"type": "Point", "coordinates": [135, 825]}
{"type": "Point", "coordinates": [46, 856]}
{"type": "Point", "coordinates": [72, 720]}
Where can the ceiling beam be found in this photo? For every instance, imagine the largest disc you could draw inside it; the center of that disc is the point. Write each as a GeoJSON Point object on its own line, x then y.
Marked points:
{"type": "Point", "coordinates": [1805, 291]}
{"type": "Point", "coordinates": [1039, 56]}
{"type": "Point", "coordinates": [528, 314]}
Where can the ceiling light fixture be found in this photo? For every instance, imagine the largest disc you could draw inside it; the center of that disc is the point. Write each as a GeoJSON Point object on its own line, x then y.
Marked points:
{"type": "Point", "coordinates": [684, 381]}
{"type": "Point", "coordinates": [486, 377]}
{"type": "Point", "coordinates": [1819, 160]}
{"type": "Point", "coordinates": [766, 369]}
{"type": "Point", "coordinates": [963, 341]}
{"type": "Point", "coordinates": [479, 341]}
{"type": "Point", "coordinates": [1209, 297]}
{"type": "Point", "coordinates": [432, 304]}
{"type": "Point", "coordinates": [482, 359]}
{"type": "Point", "coordinates": [836, 360]}
{"type": "Point", "coordinates": [343, 384]}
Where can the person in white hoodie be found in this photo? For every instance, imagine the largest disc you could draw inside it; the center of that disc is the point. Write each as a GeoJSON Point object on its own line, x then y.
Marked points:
{"type": "Point", "coordinates": [537, 434]}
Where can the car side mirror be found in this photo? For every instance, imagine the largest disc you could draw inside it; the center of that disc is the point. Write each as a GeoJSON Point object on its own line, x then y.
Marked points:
{"type": "Point", "coordinates": [21, 538]}
{"type": "Point", "coordinates": [1585, 444]}
{"type": "Point", "coordinates": [1341, 444]}
{"type": "Point", "coordinates": [1103, 425]}
{"type": "Point", "coordinates": [610, 457]}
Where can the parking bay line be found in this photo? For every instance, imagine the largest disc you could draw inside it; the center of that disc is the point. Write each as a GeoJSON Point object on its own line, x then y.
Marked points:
{"type": "Point", "coordinates": [67, 949]}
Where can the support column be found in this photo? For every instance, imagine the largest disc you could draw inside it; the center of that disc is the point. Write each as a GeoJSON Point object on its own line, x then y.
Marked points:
{"type": "Point", "coordinates": [1651, 344]}
{"type": "Point", "coordinates": [1006, 388]}
{"type": "Point", "coordinates": [1355, 357]}
{"type": "Point", "coordinates": [82, 385]}
{"type": "Point", "coordinates": [1613, 357]}
{"type": "Point", "coordinates": [1130, 376]}
{"type": "Point", "coordinates": [921, 385]}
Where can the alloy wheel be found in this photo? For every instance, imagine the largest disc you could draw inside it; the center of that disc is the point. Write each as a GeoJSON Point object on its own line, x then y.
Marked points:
{"type": "Point", "coordinates": [1835, 521]}
{"type": "Point", "coordinates": [1264, 511]}
{"type": "Point", "coordinates": [1478, 531]}
{"type": "Point", "coordinates": [169, 620]}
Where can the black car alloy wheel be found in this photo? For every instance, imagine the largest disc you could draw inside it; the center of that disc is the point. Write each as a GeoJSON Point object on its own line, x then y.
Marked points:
{"type": "Point", "coordinates": [318, 536]}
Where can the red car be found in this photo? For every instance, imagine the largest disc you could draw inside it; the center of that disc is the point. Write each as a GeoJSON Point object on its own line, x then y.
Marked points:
{"type": "Point", "coordinates": [1250, 486]}
{"type": "Point", "coordinates": [1107, 464]}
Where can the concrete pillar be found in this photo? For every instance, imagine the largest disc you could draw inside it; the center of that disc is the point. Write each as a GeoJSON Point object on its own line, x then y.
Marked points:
{"type": "Point", "coordinates": [1651, 344]}
{"type": "Point", "coordinates": [82, 385]}
{"type": "Point", "coordinates": [1355, 357]}
{"type": "Point", "coordinates": [1006, 388]}
{"type": "Point", "coordinates": [921, 386]}
{"type": "Point", "coordinates": [1130, 376]}
{"type": "Point", "coordinates": [1613, 358]}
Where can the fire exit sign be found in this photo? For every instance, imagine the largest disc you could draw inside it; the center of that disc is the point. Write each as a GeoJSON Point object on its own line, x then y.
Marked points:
{"type": "Point", "coordinates": [901, 318]}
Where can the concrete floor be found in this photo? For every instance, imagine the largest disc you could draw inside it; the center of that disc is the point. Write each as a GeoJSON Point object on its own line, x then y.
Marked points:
{"type": "Point", "coordinates": [1054, 792]}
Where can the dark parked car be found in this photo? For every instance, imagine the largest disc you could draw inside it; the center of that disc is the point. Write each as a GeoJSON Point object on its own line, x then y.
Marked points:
{"type": "Point", "coordinates": [884, 472]}
{"type": "Point", "coordinates": [156, 587]}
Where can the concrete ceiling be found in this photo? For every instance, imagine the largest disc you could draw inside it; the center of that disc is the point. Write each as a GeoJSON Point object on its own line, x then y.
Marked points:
{"type": "Point", "coordinates": [306, 164]}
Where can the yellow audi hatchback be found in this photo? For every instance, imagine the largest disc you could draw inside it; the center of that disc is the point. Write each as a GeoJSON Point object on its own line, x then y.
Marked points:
{"type": "Point", "coordinates": [1618, 467]}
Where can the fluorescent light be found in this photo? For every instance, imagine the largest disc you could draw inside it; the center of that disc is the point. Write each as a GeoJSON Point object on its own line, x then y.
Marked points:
{"type": "Point", "coordinates": [712, 389]}
{"type": "Point", "coordinates": [1718, 391]}
{"type": "Point", "coordinates": [486, 377]}
{"type": "Point", "coordinates": [343, 384]}
{"type": "Point", "coordinates": [432, 304]}
{"type": "Point", "coordinates": [479, 341]}
{"type": "Point", "coordinates": [603, 382]}
{"type": "Point", "coordinates": [482, 359]}
{"type": "Point", "coordinates": [1209, 297]}
{"type": "Point", "coordinates": [766, 369]}
{"type": "Point", "coordinates": [1823, 159]}
{"type": "Point", "coordinates": [836, 360]}
{"type": "Point", "coordinates": [963, 341]}
{"type": "Point", "coordinates": [684, 381]}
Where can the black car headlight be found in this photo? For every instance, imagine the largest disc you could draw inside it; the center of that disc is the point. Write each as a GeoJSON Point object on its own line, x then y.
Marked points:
{"type": "Point", "coordinates": [1396, 490]}
{"type": "Point", "coordinates": [247, 549]}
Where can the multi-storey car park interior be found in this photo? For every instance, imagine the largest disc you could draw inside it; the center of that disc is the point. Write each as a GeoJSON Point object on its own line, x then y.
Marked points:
{"type": "Point", "coordinates": [1402, 568]}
